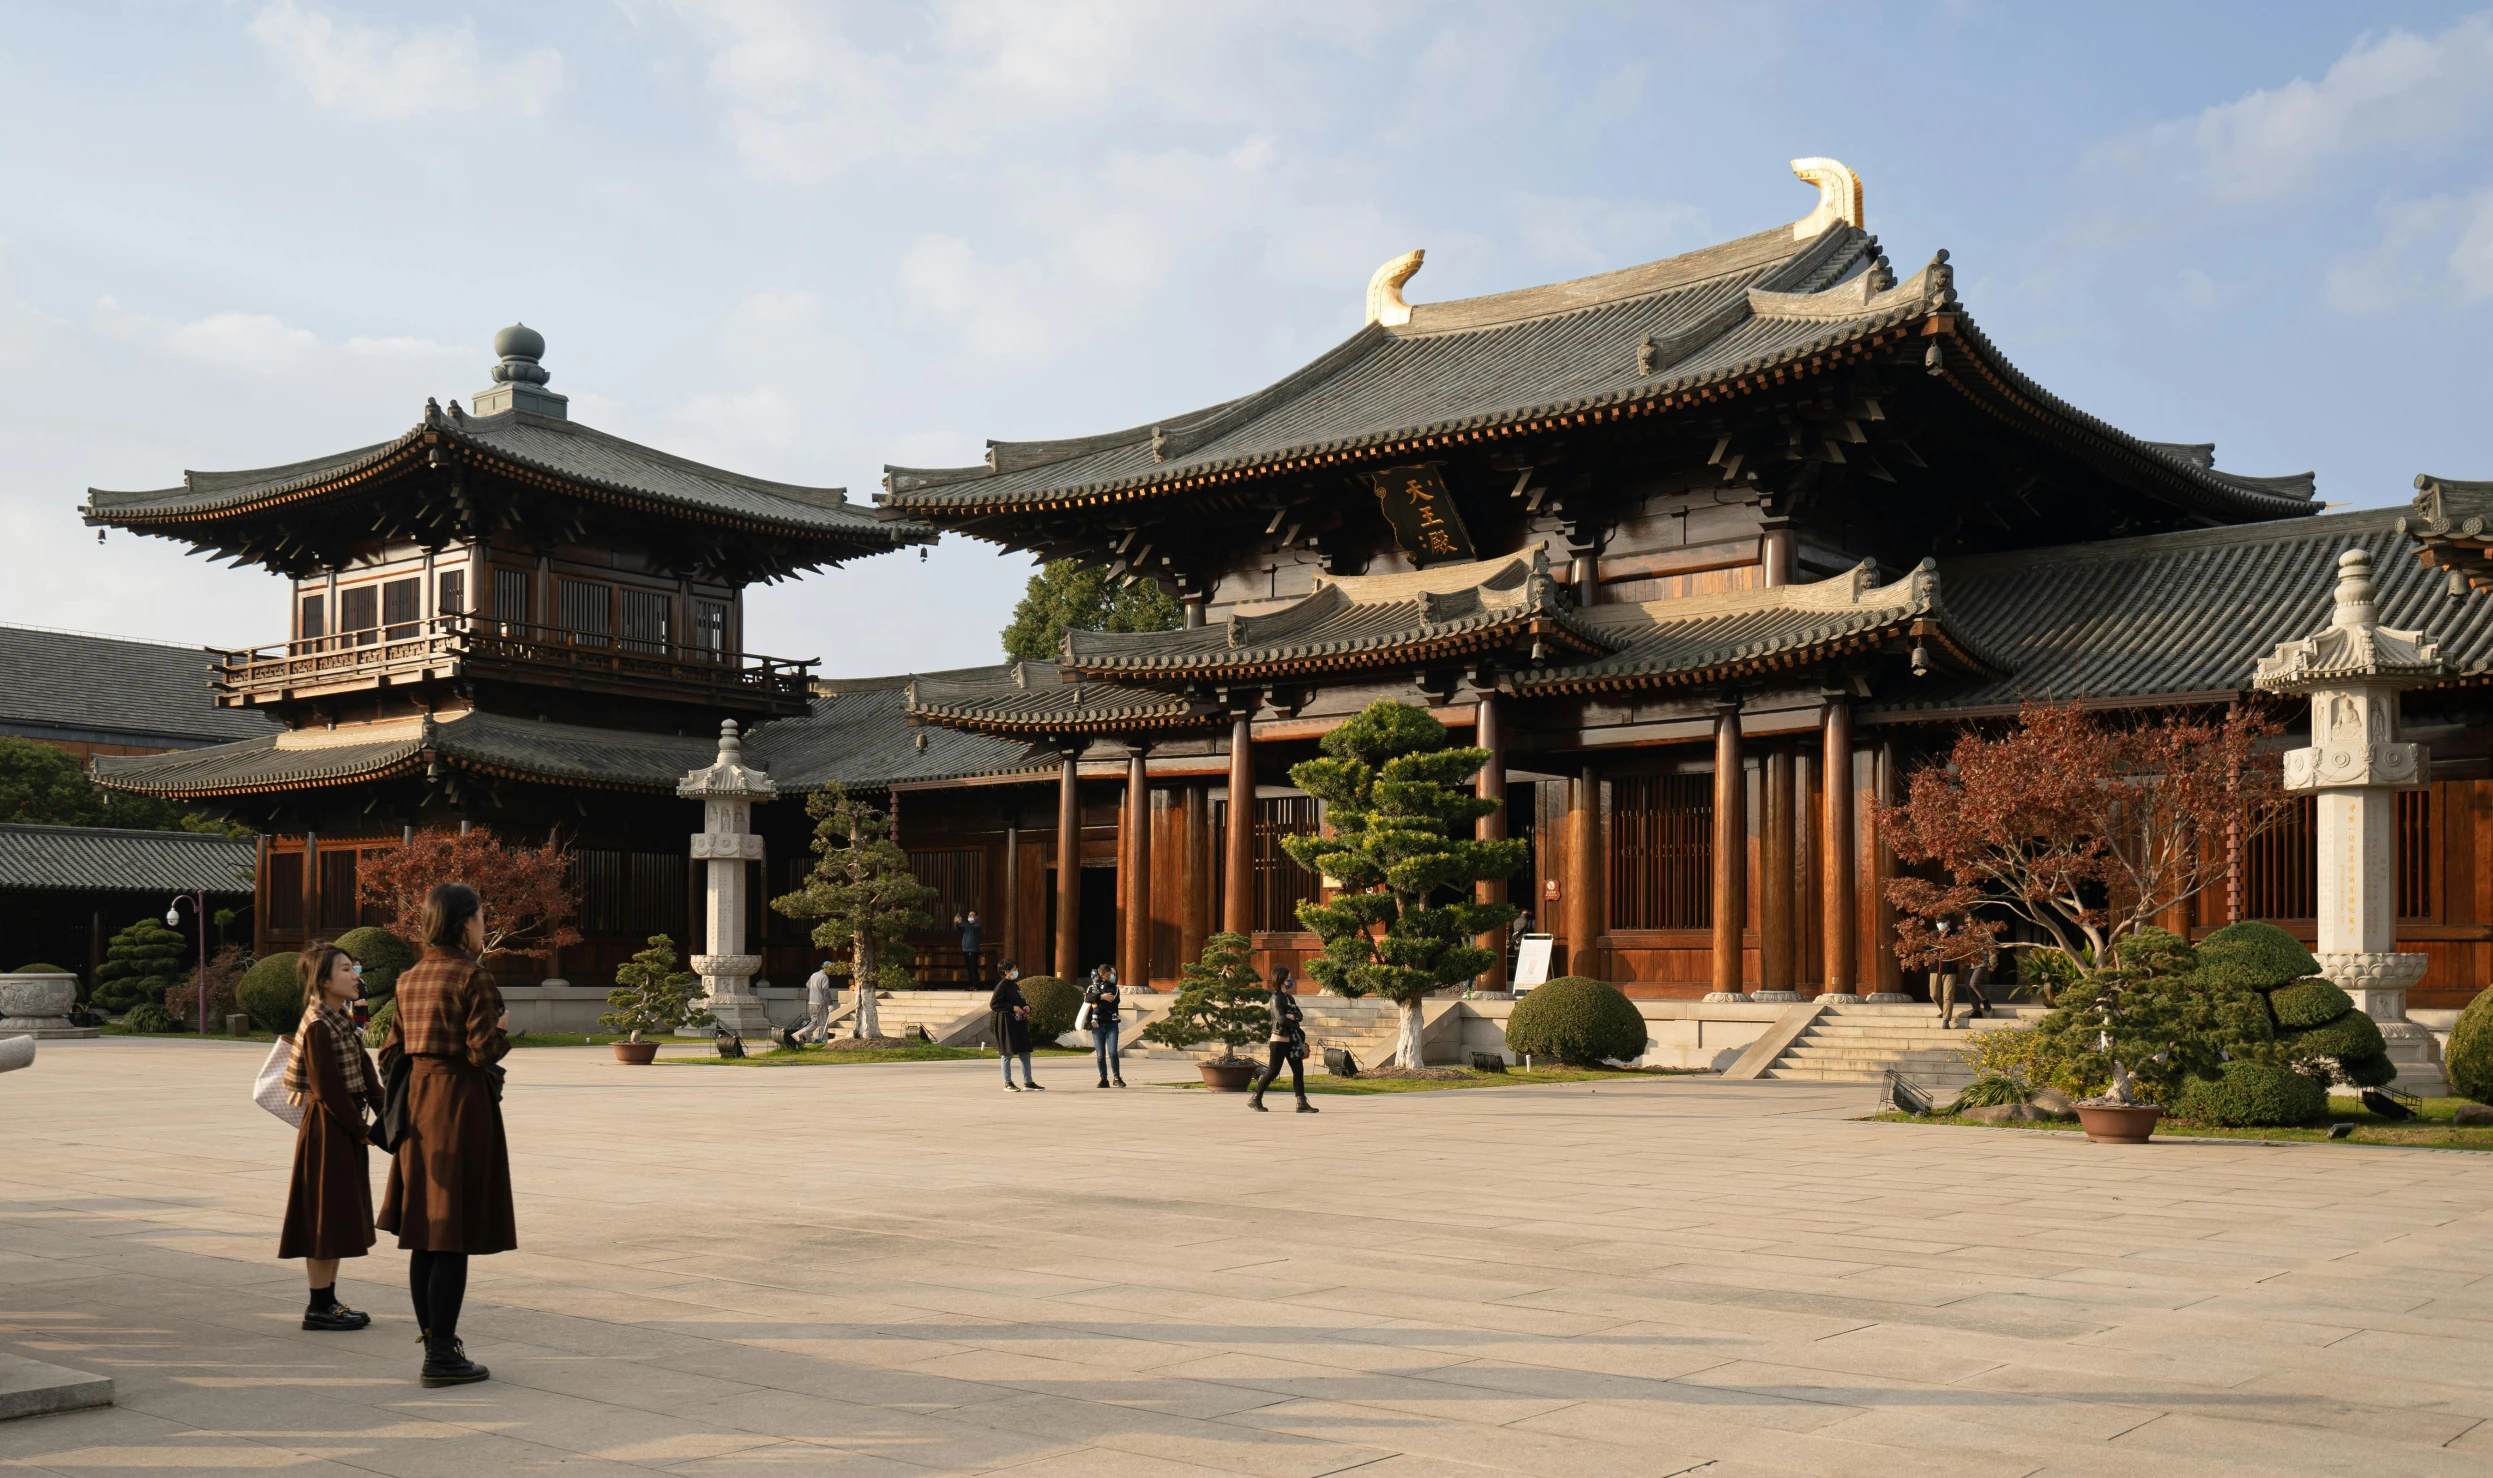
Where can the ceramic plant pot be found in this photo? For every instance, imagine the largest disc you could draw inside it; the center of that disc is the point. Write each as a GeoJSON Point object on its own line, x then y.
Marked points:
{"type": "Point", "coordinates": [639, 1054]}
{"type": "Point", "coordinates": [1228, 1077]}
{"type": "Point", "coordinates": [2119, 1125]}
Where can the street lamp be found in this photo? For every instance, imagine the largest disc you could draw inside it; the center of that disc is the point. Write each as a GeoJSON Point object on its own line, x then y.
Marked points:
{"type": "Point", "coordinates": [199, 914]}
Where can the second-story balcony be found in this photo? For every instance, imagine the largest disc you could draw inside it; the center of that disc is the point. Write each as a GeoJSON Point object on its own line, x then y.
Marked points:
{"type": "Point", "coordinates": [477, 649]}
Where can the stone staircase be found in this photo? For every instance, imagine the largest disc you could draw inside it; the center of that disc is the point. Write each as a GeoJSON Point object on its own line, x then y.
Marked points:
{"type": "Point", "coordinates": [1862, 1044]}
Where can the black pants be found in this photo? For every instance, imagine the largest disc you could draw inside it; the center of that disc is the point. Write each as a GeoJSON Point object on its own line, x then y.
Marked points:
{"type": "Point", "coordinates": [438, 1281]}
{"type": "Point", "coordinates": [1281, 1053]}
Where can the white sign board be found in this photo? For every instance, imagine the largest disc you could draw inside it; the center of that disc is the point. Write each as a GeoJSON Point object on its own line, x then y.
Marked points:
{"type": "Point", "coordinates": [1532, 962]}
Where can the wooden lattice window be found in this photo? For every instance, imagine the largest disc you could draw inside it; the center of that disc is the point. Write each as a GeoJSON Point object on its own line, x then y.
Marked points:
{"type": "Point", "coordinates": [315, 618]}
{"type": "Point", "coordinates": [450, 593]}
{"type": "Point", "coordinates": [359, 614]}
{"type": "Point", "coordinates": [340, 908]}
{"type": "Point", "coordinates": [1662, 852]}
{"type": "Point", "coordinates": [285, 892]}
{"type": "Point", "coordinates": [1280, 884]}
{"type": "Point", "coordinates": [402, 606]}
{"type": "Point", "coordinates": [586, 611]}
{"type": "Point", "coordinates": [2281, 865]}
{"type": "Point", "coordinates": [630, 894]}
{"type": "Point", "coordinates": [709, 626]}
{"type": "Point", "coordinates": [959, 877]}
{"type": "Point", "coordinates": [646, 619]}
{"type": "Point", "coordinates": [510, 601]}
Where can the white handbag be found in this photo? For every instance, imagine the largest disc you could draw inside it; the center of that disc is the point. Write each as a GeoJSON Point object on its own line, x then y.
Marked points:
{"type": "Point", "coordinates": [1082, 1018]}
{"type": "Point", "coordinates": [269, 1089]}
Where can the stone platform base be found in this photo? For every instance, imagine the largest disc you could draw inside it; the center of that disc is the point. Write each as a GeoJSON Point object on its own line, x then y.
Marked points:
{"type": "Point", "coordinates": [47, 1031]}
{"type": "Point", "coordinates": [32, 1388]}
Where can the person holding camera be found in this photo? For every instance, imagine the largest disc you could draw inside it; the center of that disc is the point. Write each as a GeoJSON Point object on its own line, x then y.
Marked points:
{"type": "Point", "coordinates": [1100, 1001]}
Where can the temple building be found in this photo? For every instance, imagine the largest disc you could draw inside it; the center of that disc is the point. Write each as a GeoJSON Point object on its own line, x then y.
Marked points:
{"type": "Point", "coordinates": [1707, 552]}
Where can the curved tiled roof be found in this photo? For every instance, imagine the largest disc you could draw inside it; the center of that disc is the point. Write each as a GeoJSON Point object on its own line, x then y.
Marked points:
{"type": "Point", "coordinates": [860, 735]}
{"type": "Point", "coordinates": [2453, 520]}
{"type": "Point", "coordinates": [581, 457]}
{"type": "Point", "coordinates": [110, 859]}
{"type": "Point", "coordinates": [1032, 700]}
{"type": "Point", "coordinates": [2183, 614]}
{"type": "Point", "coordinates": [1631, 342]}
{"type": "Point", "coordinates": [66, 685]}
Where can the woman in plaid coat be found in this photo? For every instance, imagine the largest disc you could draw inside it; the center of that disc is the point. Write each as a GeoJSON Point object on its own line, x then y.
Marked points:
{"type": "Point", "coordinates": [329, 1203]}
{"type": "Point", "coordinates": [449, 1195]}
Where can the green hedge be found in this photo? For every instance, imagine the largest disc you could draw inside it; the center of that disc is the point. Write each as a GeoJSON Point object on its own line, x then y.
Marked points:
{"type": "Point", "coordinates": [2308, 1003]}
{"type": "Point", "coordinates": [147, 1016]}
{"type": "Point", "coordinates": [2254, 1094]}
{"type": "Point", "coordinates": [2261, 956]}
{"type": "Point", "coordinates": [273, 993]}
{"type": "Point", "coordinates": [382, 954]}
{"type": "Point", "coordinates": [2470, 1058]}
{"type": "Point", "coordinates": [378, 1030]}
{"type": "Point", "coordinates": [1053, 1003]}
{"type": "Point", "coordinates": [2351, 1036]}
{"type": "Point", "coordinates": [42, 969]}
{"type": "Point", "coordinates": [1576, 1020]}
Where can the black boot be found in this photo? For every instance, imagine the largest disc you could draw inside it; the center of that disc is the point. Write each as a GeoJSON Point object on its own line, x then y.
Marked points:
{"type": "Point", "coordinates": [1257, 1102]}
{"type": "Point", "coordinates": [1304, 1106]}
{"type": "Point", "coordinates": [446, 1362]}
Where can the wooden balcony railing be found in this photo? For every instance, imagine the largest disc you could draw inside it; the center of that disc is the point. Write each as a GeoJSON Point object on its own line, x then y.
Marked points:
{"type": "Point", "coordinates": [448, 647]}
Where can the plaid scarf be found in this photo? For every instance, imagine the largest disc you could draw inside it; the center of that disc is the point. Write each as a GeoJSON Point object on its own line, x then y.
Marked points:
{"type": "Point", "coordinates": [345, 1044]}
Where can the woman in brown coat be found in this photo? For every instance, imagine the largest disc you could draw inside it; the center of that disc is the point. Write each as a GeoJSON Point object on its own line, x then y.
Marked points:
{"type": "Point", "coordinates": [329, 1207]}
{"type": "Point", "coordinates": [449, 1193]}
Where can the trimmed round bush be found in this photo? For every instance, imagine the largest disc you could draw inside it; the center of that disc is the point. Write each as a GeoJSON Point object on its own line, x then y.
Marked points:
{"type": "Point", "coordinates": [2254, 1094]}
{"type": "Point", "coordinates": [2375, 1071]}
{"type": "Point", "coordinates": [1053, 1003]}
{"type": "Point", "coordinates": [147, 1016]}
{"type": "Point", "coordinates": [378, 1030]}
{"type": "Point", "coordinates": [2261, 956]}
{"type": "Point", "coordinates": [272, 993]}
{"type": "Point", "coordinates": [1577, 1020]}
{"type": "Point", "coordinates": [2350, 1036]}
{"type": "Point", "coordinates": [2469, 1061]}
{"type": "Point", "coordinates": [2308, 1003]}
{"type": "Point", "coordinates": [382, 954]}
{"type": "Point", "coordinates": [41, 969]}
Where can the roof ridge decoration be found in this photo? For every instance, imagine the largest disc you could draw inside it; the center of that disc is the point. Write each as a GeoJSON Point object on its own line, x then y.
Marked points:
{"type": "Point", "coordinates": [1839, 197]}
{"type": "Point", "coordinates": [1863, 295]}
{"type": "Point", "coordinates": [1385, 304]}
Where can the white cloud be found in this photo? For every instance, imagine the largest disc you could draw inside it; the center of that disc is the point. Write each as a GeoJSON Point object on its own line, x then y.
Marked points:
{"type": "Point", "coordinates": [2471, 261]}
{"type": "Point", "coordinates": [258, 343]}
{"type": "Point", "coordinates": [372, 73]}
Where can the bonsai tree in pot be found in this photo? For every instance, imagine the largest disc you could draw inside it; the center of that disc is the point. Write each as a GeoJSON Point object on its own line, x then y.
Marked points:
{"type": "Point", "coordinates": [1220, 998]}
{"type": "Point", "coordinates": [1398, 832]}
{"type": "Point", "coordinates": [651, 995]}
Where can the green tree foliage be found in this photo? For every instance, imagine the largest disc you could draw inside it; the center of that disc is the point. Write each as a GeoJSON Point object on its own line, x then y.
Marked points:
{"type": "Point", "coordinates": [1220, 998]}
{"type": "Point", "coordinates": [861, 895]}
{"type": "Point", "coordinates": [651, 995]}
{"type": "Point", "coordinates": [1400, 814]}
{"type": "Point", "coordinates": [382, 954]}
{"type": "Point", "coordinates": [140, 964]}
{"type": "Point", "coordinates": [1068, 594]}
{"type": "Point", "coordinates": [2254, 1095]}
{"type": "Point", "coordinates": [1577, 1020]}
{"type": "Point", "coordinates": [2470, 1059]}
{"type": "Point", "coordinates": [272, 992]}
{"type": "Point", "coordinates": [2318, 1029]}
{"type": "Point", "coordinates": [44, 786]}
{"type": "Point", "coordinates": [1053, 1004]}
{"type": "Point", "coordinates": [2158, 1013]}
{"type": "Point", "coordinates": [150, 1018]}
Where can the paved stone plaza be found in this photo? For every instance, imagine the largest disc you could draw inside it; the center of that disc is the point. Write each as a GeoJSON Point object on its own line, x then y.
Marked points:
{"type": "Point", "coordinates": [902, 1270]}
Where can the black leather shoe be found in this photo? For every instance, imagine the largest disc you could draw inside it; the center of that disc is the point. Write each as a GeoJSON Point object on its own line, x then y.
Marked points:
{"type": "Point", "coordinates": [1257, 1103]}
{"type": "Point", "coordinates": [1305, 1107]}
{"type": "Point", "coordinates": [336, 1316]}
{"type": "Point", "coordinates": [446, 1364]}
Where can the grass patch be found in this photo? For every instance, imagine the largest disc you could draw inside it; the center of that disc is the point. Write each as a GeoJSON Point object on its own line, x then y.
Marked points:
{"type": "Point", "coordinates": [2436, 1129]}
{"type": "Point", "coordinates": [823, 1057]}
{"type": "Point", "coordinates": [1472, 1078]}
{"type": "Point", "coordinates": [116, 1029]}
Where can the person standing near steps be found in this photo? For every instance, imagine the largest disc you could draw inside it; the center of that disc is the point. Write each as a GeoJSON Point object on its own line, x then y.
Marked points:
{"type": "Point", "coordinates": [1289, 1044]}
{"type": "Point", "coordinates": [1103, 998]}
{"type": "Point", "coordinates": [449, 1196]}
{"type": "Point", "coordinates": [329, 1077]}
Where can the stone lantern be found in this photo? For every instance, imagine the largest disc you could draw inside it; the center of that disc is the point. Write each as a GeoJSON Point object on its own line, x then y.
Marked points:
{"type": "Point", "coordinates": [2353, 672]}
{"type": "Point", "coordinates": [727, 790]}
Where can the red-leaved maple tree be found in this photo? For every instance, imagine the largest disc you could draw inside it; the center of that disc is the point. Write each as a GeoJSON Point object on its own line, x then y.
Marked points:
{"type": "Point", "coordinates": [2086, 828]}
{"type": "Point", "coordinates": [527, 891]}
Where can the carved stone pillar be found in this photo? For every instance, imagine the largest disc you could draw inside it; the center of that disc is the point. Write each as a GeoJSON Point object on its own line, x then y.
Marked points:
{"type": "Point", "coordinates": [1586, 857]}
{"type": "Point", "coordinates": [1837, 921]}
{"type": "Point", "coordinates": [1731, 855]}
{"type": "Point", "coordinates": [2353, 672]}
{"type": "Point", "coordinates": [1135, 970]}
{"type": "Point", "coordinates": [1238, 838]}
{"type": "Point", "coordinates": [727, 790]}
{"type": "Point", "coordinates": [1490, 734]}
{"type": "Point", "coordinates": [1778, 921]}
{"type": "Point", "coordinates": [1068, 867]}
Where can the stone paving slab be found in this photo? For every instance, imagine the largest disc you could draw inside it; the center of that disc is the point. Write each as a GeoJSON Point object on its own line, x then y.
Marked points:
{"type": "Point", "coordinates": [879, 1271]}
{"type": "Point", "coordinates": [39, 1388]}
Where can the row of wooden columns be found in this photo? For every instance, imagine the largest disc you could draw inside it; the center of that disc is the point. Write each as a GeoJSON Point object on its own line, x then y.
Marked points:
{"type": "Point", "coordinates": [1134, 858]}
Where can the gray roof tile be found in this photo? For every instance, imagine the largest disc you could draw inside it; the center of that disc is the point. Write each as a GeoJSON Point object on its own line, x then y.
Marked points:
{"type": "Point", "coordinates": [110, 858]}
{"type": "Point", "coordinates": [65, 685]}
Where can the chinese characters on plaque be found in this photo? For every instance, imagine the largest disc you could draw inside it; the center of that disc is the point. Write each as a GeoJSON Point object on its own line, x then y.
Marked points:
{"type": "Point", "coordinates": [1422, 512]}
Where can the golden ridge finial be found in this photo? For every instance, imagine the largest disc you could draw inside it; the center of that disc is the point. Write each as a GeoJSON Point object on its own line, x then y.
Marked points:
{"type": "Point", "coordinates": [1839, 197]}
{"type": "Point", "coordinates": [1385, 304]}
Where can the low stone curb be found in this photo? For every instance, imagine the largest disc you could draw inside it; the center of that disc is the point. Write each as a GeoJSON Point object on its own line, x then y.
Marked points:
{"type": "Point", "coordinates": [32, 1388]}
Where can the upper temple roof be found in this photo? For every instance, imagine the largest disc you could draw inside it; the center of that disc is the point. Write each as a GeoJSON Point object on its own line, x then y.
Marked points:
{"type": "Point", "coordinates": [1682, 331]}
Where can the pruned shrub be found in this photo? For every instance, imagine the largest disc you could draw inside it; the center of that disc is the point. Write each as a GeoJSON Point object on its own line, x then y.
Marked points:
{"type": "Point", "coordinates": [2254, 1094]}
{"type": "Point", "coordinates": [141, 964]}
{"type": "Point", "coordinates": [1577, 1020]}
{"type": "Point", "coordinates": [147, 1016]}
{"type": "Point", "coordinates": [2350, 1036]}
{"type": "Point", "coordinates": [2308, 1003]}
{"type": "Point", "coordinates": [382, 954]}
{"type": "Point", "coordinates": [2469, 1061]}
{"type": "Point", "coordinates": [272, 991]}
{"type": "Point", "coordinates": [377, 1030]}
{"type": "Point", "coordinates": [2376, 1071]}
{"type": "Point", "coordinates": [1053, 1003]}
{"type": "Point", "coordinates": [2260, 956]}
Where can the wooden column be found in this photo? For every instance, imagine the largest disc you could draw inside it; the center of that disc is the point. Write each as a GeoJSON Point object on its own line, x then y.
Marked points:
{"type": "Point", "coordinates": [1839, 863]}
{"type": "Point", "coordinates": [1194, 872]}
{"type": "Point", "coordinates": [1878, 918]}
{"type": "Point", "coordinates": [1731, 851]}
{"type": "Point", "coordinates": [311, 887]}
{"type": "Point", "coordinates": [1777, 554]}
{"type": "Point", "coordinates": [1007, 920]}
{"type": "Point", "coordinates": [1778, 922]}
{"type": "Point", "coordinates": [1490, 734]}
{"type": "Point", "coordinates": [1068, 869]}
{"type": "Point", "coordinates": [1585, 856]}
{"type": "Point", "coordinates": [1238, 890]}
{"type": "Point", "coordinates": [1136, 968]}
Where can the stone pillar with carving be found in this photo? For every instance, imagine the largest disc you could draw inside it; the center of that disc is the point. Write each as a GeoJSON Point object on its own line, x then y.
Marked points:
{"type": "Point", "coordinates": [727, 790]}
{"type": "Point", "coordinates": [2353, 672]}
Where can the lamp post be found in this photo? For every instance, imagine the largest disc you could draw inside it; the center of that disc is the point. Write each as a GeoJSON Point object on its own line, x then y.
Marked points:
{"type": "Point", "coordinates": [199, 915]}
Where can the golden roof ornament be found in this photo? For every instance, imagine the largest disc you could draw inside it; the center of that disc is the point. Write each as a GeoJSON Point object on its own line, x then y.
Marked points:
{"type": "Point", "coordinates": [1385, 304]}
{"type": "Point", "coordinates": [1839, 197]}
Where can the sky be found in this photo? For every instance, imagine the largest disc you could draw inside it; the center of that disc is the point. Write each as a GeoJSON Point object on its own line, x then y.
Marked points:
{"type": "Point", "coordinates": [804, 241]}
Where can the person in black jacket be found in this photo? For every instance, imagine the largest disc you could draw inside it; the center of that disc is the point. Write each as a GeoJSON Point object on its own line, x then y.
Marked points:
{"type": "Point", "coordinates": [1012, 1033]}
{"type": "Point", "coordinates": [1103, 997]}
{"type": "Point", "coordinates": [1288, 1044]}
